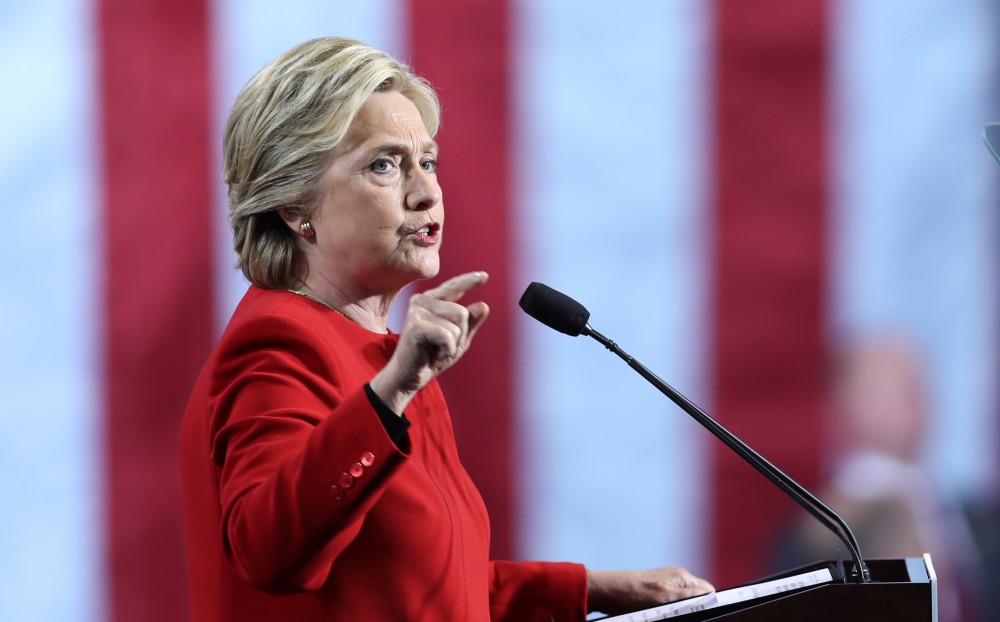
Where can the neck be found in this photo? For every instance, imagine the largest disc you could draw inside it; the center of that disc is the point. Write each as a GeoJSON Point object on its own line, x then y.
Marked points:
{"type": "Point", "coordinates": [370, 311]}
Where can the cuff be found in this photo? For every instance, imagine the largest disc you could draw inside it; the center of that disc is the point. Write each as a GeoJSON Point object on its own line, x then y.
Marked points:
{"type": "Point", "coordinates": [396, 426]}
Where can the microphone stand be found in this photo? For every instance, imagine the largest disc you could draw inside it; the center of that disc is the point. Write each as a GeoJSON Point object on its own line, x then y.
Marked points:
{"type": "Point", "coordinates": [819, 510]}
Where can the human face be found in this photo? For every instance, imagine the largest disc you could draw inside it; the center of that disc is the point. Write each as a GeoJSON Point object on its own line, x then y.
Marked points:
{"type": "Point", "coordinates": [381, 219]}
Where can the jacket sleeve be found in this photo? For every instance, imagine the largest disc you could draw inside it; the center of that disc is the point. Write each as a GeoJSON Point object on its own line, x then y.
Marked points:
{"type": "Point", "coordinates": [302, 459]}
{"type": "Point", "coordinates": [537, 592]}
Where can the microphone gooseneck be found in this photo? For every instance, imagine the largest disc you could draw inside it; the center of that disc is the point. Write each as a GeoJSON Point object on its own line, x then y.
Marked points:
{"type": "Point", "coordinates": [560, 312]}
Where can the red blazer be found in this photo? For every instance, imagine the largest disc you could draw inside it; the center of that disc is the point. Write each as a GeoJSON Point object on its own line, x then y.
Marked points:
{"type": "Point", "coordinates": [298, 506]}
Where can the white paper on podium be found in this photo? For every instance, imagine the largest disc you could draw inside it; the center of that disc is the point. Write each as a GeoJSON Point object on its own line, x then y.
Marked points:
{"type": "Point", "coordinates": [726, 597]}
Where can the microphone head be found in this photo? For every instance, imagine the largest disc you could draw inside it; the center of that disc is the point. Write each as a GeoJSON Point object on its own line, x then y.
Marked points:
{"type": "Point", "coordinates": [554, 309]}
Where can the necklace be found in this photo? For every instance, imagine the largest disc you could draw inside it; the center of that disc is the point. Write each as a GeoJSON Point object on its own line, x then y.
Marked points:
{"type": "Point", "coordinates": [317, 299]}
{"type": "Point", "coordinates": [306, 294]}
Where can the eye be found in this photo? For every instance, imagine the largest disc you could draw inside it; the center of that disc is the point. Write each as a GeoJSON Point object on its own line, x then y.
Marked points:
{"type": "Point", "coordinates": [429, 166]}
{"type": "Point", "coordinates": [383, 164]}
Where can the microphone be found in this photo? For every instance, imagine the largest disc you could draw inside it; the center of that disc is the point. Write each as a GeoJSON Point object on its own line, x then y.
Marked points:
{"type": "Point", "coordinates": [555, 309]}
{"type": "Point", "coordinates": [560, 312]}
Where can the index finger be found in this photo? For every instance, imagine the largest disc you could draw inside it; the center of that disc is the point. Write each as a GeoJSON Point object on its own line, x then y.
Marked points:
{"type": "Point", "coordinates": [455, 287]}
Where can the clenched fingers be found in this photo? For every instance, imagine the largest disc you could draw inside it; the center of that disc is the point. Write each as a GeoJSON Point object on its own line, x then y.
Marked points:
{"type": "Point", "coordinates": [438, 307]}
{"type": "Point", "coordinates": [439, 323]}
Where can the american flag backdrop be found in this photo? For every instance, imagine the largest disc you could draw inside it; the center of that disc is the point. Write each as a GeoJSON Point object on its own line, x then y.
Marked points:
{"type": "Point", "coordinates": [730, 187]}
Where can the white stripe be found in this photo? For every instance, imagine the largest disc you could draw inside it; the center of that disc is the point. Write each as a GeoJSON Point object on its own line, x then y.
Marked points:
{"type": "Point", "coordinates": [915, 230]}
{"type": "Point", "coordinates": [51, 524]}
{"type": "Point", "coordinates": [247, 36]}
{"type": "Point", "coordinates": [610, 161]}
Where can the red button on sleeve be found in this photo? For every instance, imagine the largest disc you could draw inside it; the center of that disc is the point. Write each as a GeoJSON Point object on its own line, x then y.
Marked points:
{"type": "Point", "coordinates": [356, 470]}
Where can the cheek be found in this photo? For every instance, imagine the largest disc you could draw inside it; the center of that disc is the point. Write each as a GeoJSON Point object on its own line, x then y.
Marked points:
{"type": "Point", "coordinates": [365, 217]}
{"type": "Point", "coordinates": [373, 215]}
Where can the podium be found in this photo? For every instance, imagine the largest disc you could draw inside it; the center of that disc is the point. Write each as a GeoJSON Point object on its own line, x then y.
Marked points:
{"type": "Point", "coordinates": [901, 590]}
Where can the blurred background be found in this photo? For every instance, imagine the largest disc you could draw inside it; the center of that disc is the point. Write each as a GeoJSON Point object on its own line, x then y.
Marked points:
{"type": "Point", "coordinates": [783, 208]}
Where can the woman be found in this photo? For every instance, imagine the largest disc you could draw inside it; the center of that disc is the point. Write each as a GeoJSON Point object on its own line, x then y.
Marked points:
{"type": "Point", "coordinates": [321, 478]}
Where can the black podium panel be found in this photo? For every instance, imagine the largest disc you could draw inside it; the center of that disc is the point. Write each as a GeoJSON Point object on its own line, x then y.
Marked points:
{"type": "Point", "coordinates": [901, 590]}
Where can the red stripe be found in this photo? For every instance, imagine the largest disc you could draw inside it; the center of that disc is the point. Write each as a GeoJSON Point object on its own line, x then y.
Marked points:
{"type": "Point", "coordinates": [158, 293]}
{"type": "Point", "coordinates": [769, 260]}
{"type": "Point", "coordinates": [462, 48]}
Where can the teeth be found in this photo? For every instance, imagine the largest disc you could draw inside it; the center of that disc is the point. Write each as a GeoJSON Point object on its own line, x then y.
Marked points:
{"type": "Point", "coordinates": [425, 231]}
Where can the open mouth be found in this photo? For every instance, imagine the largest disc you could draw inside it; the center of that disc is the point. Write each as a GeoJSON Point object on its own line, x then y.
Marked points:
{"type": "Point", "coordinates": [428, 235]}
{"type": "Point", "coordinates": [429, 229]}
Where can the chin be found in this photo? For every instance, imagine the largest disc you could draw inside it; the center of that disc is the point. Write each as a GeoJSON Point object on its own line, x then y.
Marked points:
{"type": "Point", "coordinates": [429, 268]}
{"type": "Point", "coordinates": [421, 272]}
{"type": "Point", "coordinates": [430, 272]}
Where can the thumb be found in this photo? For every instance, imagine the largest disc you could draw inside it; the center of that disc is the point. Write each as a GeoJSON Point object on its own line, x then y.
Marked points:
{"type": "Point", "coordinates": [478, 312]}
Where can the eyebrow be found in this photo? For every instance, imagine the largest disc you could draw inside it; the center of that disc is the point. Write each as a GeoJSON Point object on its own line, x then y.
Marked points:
{"type": "Point", "coordinates": [404, 147]}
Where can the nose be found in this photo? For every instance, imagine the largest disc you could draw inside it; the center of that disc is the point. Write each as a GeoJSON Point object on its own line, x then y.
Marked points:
{"type": "Point", "coordinates": [423, 191]}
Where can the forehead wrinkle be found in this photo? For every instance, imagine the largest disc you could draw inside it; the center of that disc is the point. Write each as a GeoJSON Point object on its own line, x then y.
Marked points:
{"type": "Point", "coordinates": [400, 132]}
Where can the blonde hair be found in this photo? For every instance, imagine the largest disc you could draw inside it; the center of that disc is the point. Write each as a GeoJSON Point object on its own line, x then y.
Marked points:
{"type": "Point", "coordinates": [281, 131]}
